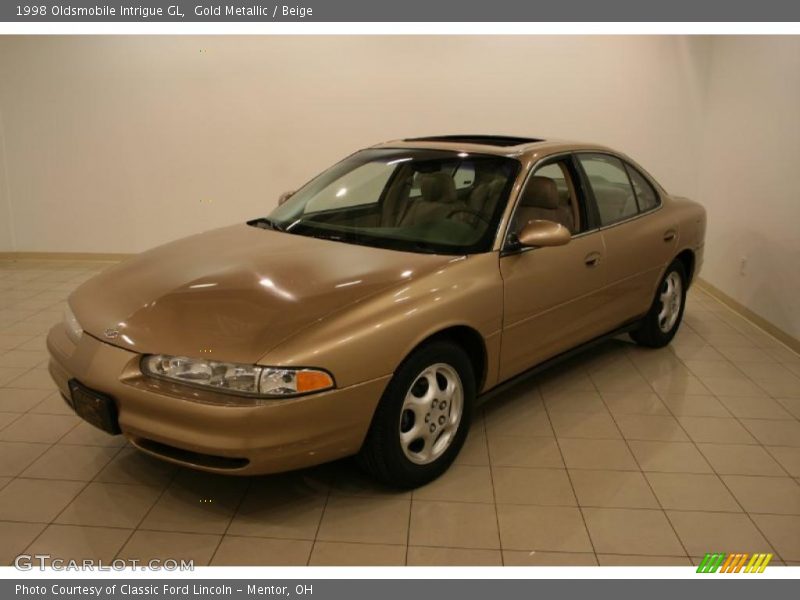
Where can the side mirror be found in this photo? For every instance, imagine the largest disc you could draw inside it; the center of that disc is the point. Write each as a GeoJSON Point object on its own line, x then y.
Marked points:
{"type": "Point", "coordinates": [543, 233]}
{"type": "Point", "coordinates": [284, 197]}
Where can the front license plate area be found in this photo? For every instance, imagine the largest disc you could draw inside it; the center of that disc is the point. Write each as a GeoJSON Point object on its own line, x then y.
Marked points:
{"type": "Point", "coordinates": [95, 408]}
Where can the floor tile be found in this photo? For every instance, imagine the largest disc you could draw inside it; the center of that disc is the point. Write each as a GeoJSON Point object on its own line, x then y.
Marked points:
{"type": "Point", "coordinates": [669, 457]}
{"type": "Point", "coordinates": [690, 491]}
{"type": "Point", "coordinates": [53, 404]}
{"type": "Point", "coordinates": [459, 484]}
{"type": "Point", "coordinates": [15, 457]}
{"type": "Point", "coordinates": [475, 451]}
{"type": "Point", "coordinates": [716, 430]}
{"type": "Point", "coordinates": [507, 451]}
{"type": "Point", "coordinates": [631, 531]}
{"type": "Point", "coordinates": [109, 504]}
{"type": "Point", "coordinates": [80, 463]}
{"type": "Point", "coordinates": [365, 519]}
{"type": "Point", "coordinates": [16, 537]}
{"type": "Point", "coordinates": [695, 406]}
{"type": "Point", "coordinates": [788, 457]}
{"type": "Point", "coordinates": [513, 485]}
{"type": "Point", "coordinates": [776, 495]}
{"type": "Point", "coordinates": [651, 427]}
{"type": "Point", "coordinates": [553, 528]}
{"type": "Point", "coordinates": [33, 379]}
{"type": "Point", "coordinates": [518, 416]}
{"type": "Point", "coordinates": [597, 454]}
{"type": "Point", "coordinates": [547, 559]}
{"type": "Point", "coordinates": [792, 405]}
{"type": "Point", "coordinates": [703, 532]}
{"type": "Point", "coordinates": [345, 554]}
{"type": "Point", "coordinates": [88, 435]}
{"type": "Point", "coordinates": [150, 545]}
{"type": "Point", "coordinates": [442, 524]}
{"type": "Point", "coordinates": [581, 402]}
{"type": "Point", "coordinates": [38, 428]}
{"type": "Point", "coordinates": [287, 507]}
{"type": "Point", "coordinates": [774, 433]}
{"type": "Point", "coordinates": [247, 551]}
{"type": "Point", "coordinates": [783, 532]}
{"type": "Point", "coordinates": [713, 368]}
{"type": "Point", "coordinates": [733, 386]}
{"type": "Point", "coordinates": [424, 556]}
{"type": "Point", "coordinates": [196, 502]}
{"type": "Point", "coordinates": [628, 560]}
{"type": "Point", "coordinates": [71, 542]}
{"type": "Point", "coordinates": [584, 425]}
{"type": "Point", "coordinates": [36, 500]}
{"type": "Point", "coordinates": [754, 408]}
{"type": "Point", "coordinates": [635, 403]}
{"type": "Point", "coordinates": [679, 384]}
{"type": "Point", "coordinates": [612, 489]}
{"type": "Point", "coordinates": [20, 401]}
{"type": "Point", "coordinates": [740, 459]}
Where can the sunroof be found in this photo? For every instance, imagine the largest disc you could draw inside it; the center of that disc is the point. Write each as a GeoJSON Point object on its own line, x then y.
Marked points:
{"type": "Point", "coordinates": [486, 140]}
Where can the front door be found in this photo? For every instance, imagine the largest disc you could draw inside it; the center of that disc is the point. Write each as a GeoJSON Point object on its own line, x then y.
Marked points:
{"type": "Point", "coordinates": [551, 295]}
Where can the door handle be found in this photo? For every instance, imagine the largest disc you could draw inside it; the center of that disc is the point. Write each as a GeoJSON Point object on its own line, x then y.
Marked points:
{"type": "Point", "coordinates": [669, 235]}
{"type": "Point", "coordinates": [592, 259]}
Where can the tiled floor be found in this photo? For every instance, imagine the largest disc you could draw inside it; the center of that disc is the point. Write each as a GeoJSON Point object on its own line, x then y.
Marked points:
{"type": "Point", "coordinates": [624, 456]}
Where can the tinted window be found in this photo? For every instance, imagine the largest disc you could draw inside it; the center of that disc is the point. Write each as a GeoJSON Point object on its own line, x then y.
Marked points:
{"type": "Point", "coordinates": [612, 190]}
{"type": "Point", "coordinates": [645, 194]}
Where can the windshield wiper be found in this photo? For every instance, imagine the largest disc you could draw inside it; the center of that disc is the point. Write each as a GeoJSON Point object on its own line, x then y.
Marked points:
{"type": "Point", "coordinates": [265, 223]}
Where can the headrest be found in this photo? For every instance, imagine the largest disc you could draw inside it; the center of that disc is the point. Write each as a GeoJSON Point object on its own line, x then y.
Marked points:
{"type": "Point", "coordinates": [541, 192]}
{"type": "Point", "coordinates": [437, 187]}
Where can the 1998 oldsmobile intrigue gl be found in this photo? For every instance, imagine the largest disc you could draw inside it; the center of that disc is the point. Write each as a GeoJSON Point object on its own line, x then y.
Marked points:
{"type": "Point", "coordinates": [370, 309]}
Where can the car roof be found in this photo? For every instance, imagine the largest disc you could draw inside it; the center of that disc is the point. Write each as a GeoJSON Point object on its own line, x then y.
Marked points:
{"type": "Point", "coordinates": [501, 145]}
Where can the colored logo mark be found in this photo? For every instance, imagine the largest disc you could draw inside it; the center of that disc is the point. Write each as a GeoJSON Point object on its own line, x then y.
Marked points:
{"type": "Point", "coordinates": [734, 563]}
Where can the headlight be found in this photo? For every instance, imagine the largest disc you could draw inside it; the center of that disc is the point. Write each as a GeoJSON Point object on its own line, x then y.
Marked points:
{"type": "Point", "coordinates": [74, 329]}
{"type": "Point", "coordinates": [249, 380]}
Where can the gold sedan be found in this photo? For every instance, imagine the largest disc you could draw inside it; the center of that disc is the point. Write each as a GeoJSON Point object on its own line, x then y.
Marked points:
{"type": "Point", "coordinates": [370, 309]}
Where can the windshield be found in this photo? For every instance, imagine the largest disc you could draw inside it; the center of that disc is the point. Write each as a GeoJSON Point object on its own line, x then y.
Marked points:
{"type": "Point", "coordinates": [413, 200]}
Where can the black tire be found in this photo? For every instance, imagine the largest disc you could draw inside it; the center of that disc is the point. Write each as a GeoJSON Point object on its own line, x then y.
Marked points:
{"type": "Point", "coordinates": [382, 454]}
{"type": "Point", "coordinates": [650, 333]}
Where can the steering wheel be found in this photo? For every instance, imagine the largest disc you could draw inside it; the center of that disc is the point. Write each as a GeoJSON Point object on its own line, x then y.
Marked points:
{"type": "Point", "coordinates": [470, 211]}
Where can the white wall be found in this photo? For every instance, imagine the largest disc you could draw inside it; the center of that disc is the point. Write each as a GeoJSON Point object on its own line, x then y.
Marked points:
{"type": "Point", "coordinates": [750, 178]}
{"type": "Point", "coordinates": [116, 144]}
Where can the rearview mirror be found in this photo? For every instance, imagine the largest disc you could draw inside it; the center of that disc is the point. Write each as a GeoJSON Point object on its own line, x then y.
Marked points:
{"type": "Point", "coordinates": [284, 197]}
{"type": "Point", "coordinates": [543, 233]}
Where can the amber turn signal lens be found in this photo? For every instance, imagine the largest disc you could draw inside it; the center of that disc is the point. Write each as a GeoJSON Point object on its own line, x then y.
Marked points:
{"type": "Point", "coordinates": [310, 381]}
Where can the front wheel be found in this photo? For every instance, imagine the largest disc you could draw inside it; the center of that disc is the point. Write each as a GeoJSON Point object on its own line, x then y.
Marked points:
{"type": "Point", "coordinates": [661, 324]}
{"type": "Point", "coordinates": [423, 417]}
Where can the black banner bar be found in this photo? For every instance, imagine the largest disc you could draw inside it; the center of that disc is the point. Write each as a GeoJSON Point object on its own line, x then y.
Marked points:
{"type": "Point", "coordinates": [48, 11]}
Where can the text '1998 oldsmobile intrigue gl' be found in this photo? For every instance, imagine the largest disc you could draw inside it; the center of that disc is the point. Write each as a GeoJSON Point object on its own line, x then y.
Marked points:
{"type": "Point", "coordinates": [374, 305]}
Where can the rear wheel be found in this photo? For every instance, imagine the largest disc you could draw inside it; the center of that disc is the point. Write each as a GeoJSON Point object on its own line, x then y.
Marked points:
{"type": "Point", "coordinates": [662, 322]}
{"type": "Point", "coordinates": [423, 417]}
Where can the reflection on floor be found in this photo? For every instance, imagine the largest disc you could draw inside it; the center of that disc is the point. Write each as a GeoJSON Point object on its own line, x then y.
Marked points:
{"type": "Point", "coordinates": [623, 456]}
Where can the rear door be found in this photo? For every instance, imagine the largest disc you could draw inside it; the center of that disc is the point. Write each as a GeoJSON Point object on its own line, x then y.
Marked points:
{"type": "Point", "coordinates": [551, 295]}
{"type": "Point", "coordinates": [639, 237]}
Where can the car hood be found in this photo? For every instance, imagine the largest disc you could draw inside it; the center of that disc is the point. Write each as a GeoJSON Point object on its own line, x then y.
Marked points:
{"type": "Point", "coordinates": [235, 293]}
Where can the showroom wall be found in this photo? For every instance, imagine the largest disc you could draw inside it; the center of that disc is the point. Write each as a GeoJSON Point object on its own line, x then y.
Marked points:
{"type": "Point", "coordinates": [749, 176]}
{"type": "Point", "coordinates": [119, 144]}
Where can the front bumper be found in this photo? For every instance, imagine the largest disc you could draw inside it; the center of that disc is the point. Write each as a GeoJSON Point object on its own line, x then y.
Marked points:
{"type": "Point", "coordinates": [196, 428]}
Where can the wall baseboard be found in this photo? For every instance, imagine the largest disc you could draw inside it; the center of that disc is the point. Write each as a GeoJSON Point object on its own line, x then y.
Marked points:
{"type": "Point", "coordinates": [737, 307]}
{"type": "Point", "coordinates": [96, 256]}
{"type": "Point", "coordinates": [790, 341]}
